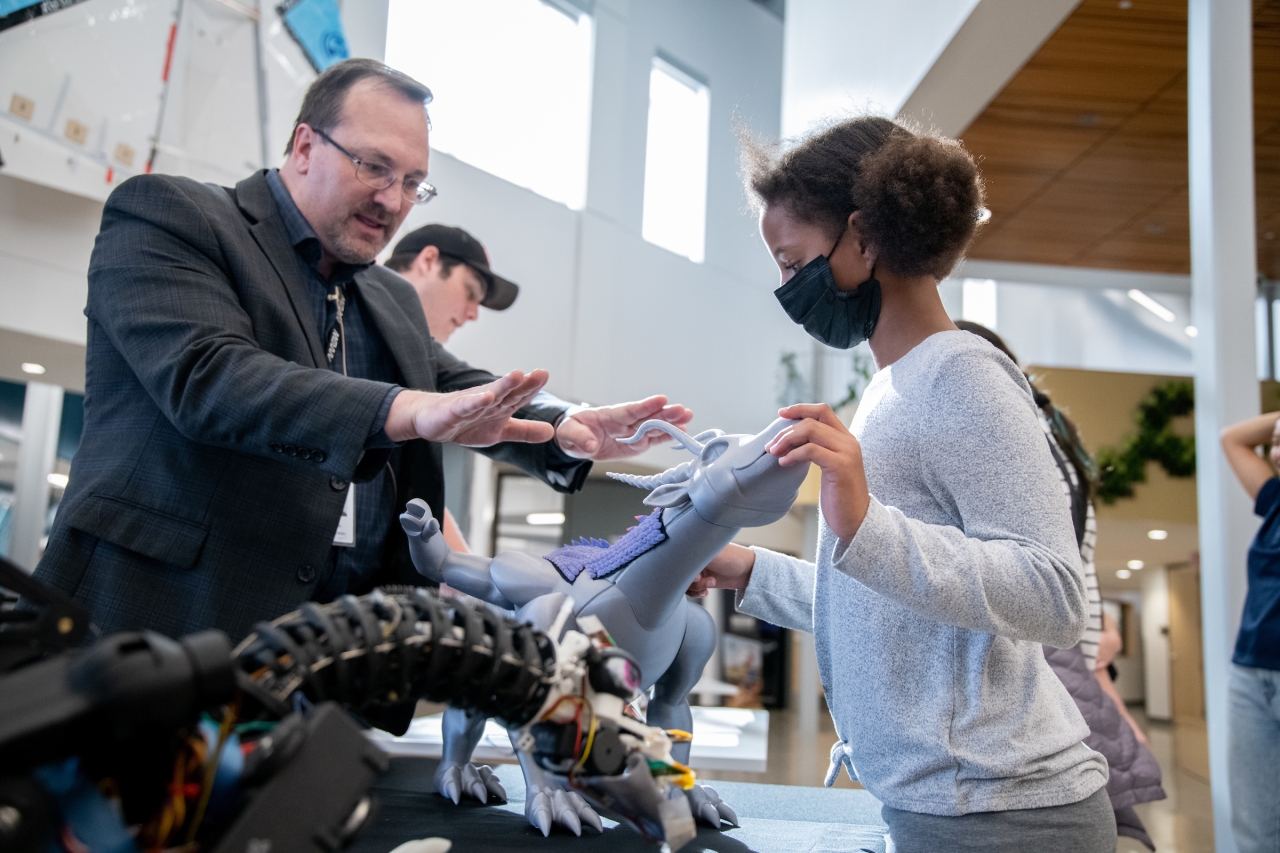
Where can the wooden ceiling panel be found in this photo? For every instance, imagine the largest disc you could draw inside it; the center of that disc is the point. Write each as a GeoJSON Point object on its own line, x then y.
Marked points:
{"type": "Point", "coordinates": [1085, 151]}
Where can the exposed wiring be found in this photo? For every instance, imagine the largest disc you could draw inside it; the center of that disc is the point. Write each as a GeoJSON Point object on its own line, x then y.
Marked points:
{"type": "Point", "coordinates": [211, 769]}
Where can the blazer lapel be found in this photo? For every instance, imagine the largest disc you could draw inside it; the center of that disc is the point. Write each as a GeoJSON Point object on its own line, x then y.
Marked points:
{"type": "Point", "coordinates": [407, 347]}
{"type": "Point", "coordinates": [253, 195]}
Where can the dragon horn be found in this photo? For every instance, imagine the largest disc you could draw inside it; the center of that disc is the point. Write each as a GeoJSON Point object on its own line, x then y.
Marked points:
{"type": "Point", "coordinates": [678, 474]}
{"type": "Point", "coordinates": [687, 441]}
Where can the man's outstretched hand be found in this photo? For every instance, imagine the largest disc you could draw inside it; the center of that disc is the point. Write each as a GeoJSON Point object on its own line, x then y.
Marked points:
{"type": "Point", "coordinates": [478, 417]}
{"type": "Point", "coordinates": [594, 433]}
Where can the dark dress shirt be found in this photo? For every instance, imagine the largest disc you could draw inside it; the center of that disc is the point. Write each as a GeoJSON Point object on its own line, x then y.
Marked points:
{"type": "Point", "coordinates": [361, 353]}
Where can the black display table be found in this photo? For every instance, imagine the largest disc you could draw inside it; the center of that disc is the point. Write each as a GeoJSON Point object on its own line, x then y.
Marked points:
{"type": "Point", "coordinates": [775, 819]}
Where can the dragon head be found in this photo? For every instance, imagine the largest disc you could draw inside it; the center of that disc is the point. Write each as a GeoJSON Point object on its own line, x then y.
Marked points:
{"type": "Point", "coordinates": [731, 482]}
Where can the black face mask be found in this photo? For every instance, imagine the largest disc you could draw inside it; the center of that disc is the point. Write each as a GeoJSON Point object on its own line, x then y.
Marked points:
{"type": "Point", "coordinates": [838, 318]}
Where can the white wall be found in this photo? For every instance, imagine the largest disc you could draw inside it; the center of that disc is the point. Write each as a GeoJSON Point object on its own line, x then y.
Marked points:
{"type": "Point", "coordinates": [46, 237]}
{"type": "Point", "coordinates": [858, 55]}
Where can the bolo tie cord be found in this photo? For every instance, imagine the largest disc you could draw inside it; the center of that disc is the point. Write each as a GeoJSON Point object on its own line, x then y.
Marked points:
{"type": "Point", "coordinates": [340, 334]}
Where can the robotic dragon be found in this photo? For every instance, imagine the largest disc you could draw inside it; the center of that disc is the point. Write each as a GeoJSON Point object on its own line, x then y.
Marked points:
{"type": "Point", "coordinates": [635, 587]}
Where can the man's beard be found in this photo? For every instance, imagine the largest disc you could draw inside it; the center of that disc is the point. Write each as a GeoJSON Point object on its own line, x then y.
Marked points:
{"type": "Point", "coordinates": [351, 250]}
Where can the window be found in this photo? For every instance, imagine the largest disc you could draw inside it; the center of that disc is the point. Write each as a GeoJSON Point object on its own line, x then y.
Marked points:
{"type": "Point", "coordinates": [512, 85]}
{"type": "Point", "coordinates": [675, 168]}
{"type": "Point", "coordinates": [979, 302]}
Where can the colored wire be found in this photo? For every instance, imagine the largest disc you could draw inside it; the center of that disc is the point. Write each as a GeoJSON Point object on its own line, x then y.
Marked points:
{"type": "Point", "coordinates": [211, 769]}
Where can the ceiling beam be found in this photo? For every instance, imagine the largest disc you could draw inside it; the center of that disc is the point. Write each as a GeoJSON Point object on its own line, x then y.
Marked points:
{"type": "Point", "coordinates": [993, 43]}
{"type": "Point", "coordinates": [1082, 278]}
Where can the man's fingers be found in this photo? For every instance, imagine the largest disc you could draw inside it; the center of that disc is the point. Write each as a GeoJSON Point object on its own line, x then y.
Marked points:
{"type": "Point", "coordinates": [676, 414]}
{"type": "Point", "coordinates": [469, 403]}
{"type": "Point", "coordinates": [574, 435]}
{"type": "Point", "coordinates": [641, 409]}
{"type": "Point", "coordinates": [534, 432]}
{"type": "Point", "coordinates": [517, 384]}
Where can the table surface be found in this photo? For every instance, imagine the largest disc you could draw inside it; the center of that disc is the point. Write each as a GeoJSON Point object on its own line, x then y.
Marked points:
{"type": "Point", "coordinates": [723, 739]}
{"type": "Point", "coordinates": [775, 818]}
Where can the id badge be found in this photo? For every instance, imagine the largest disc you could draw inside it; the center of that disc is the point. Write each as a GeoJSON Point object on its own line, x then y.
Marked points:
{"type": "Point", "coordinates": [345, 535]}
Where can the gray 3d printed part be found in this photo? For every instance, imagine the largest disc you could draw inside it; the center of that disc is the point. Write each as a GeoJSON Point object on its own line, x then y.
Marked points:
{"type": "Point", "coordinates": [730, 484]}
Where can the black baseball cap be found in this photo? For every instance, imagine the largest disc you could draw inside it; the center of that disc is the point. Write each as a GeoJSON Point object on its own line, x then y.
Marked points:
{"type": "Point", "coordinates": [459, 245]}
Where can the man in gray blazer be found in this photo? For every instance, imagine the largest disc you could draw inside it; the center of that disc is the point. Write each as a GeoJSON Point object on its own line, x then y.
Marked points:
{"type": "Point", "coordinates": [261, 400]}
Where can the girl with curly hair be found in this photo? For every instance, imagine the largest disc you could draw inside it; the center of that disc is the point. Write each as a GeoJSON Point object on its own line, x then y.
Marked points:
{"type": "Point", "coordinates": [946, 554]}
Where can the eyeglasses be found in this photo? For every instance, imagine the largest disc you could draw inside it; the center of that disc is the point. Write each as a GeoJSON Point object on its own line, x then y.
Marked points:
{"type": "Point", "coordinates": [379, 177]}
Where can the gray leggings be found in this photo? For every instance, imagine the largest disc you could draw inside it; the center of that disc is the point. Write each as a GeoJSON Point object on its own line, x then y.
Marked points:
{"type": "Point", "coordinates": [1088, 826]}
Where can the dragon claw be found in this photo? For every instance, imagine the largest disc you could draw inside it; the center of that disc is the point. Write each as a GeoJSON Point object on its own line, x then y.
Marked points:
{"type": "Point", "coordinates": [540, 812]}
{"type": "Point", "coordinates": [456, 781]}
{"type": "Point", "coordinates": [450, 786]}
{"type": "Point", "coordinates": [707, 805]}
{"type": "Point", "coordinates": [550, 807]}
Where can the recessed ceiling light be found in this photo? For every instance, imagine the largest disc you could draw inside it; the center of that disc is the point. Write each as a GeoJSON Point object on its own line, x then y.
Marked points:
{"type": "Point", "coordinates": [544, 518]}
{"type": "Point", "coordinates": [1191, 331]}
{"type": "Point", "coordinates": [32, 367]}
{"type": "Point", "coordinates": [58, 481]}
{"type": "Point", "coordinates": [1135, 564]}
{"type": "Point", "coordinates": [984, 215]}
{"type": "Point", "coordinates": [1124, 574]}
{"type": "Point", "coordinates": [1158, 535]}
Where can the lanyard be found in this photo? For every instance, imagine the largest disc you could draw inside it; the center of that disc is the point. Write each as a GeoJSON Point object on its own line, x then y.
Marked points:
{"type": "Point", "coordinates": [339, 331]}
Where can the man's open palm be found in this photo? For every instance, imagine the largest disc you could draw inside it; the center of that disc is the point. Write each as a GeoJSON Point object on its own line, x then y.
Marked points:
{"type": "Point", "coordinates": [594, 433]}
{"type": "Point", "coordinates": [477, 417]}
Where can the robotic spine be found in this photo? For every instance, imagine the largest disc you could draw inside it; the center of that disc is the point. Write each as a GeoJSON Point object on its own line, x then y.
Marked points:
{"type": "Point", "coordinates": [124, 716]}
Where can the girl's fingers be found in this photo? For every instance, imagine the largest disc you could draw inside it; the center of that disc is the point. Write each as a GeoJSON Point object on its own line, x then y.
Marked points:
{"type": "Point", "coordinates": [812, 411]}
{"type": "Point", "coordinates": [820, 456]}
{"type": "Point", "coordinates": [811, 432]}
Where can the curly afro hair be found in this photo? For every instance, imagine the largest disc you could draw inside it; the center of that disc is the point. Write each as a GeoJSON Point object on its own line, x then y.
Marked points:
{"type": "Point", "coordinates": [918, 196]}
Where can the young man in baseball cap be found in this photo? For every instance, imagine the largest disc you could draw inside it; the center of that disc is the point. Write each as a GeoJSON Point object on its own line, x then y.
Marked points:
{"type": "Point", "coordinates": [450, 271]}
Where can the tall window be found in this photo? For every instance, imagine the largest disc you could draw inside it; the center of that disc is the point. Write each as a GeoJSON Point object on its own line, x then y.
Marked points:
{"type": "Point", "coordinates": [675, 168]}
{"type": "Point", "coordinates": [512, 85]}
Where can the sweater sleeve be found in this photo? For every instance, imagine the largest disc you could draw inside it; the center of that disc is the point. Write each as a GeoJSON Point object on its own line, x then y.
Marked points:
{"type": "Point", "coordinates": [1011, 567]}
{"type": "Point", "coordinates": [780, 591]}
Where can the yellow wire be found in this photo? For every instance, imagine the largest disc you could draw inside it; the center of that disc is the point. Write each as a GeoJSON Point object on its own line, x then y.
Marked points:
{"type": "Point", "coordinates": [211, 770]}
{"type": "Point", "coordinates": [591, 736]}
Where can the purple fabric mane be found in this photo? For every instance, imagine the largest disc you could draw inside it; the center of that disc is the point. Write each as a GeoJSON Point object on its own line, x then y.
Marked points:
{"type": "Point", "coordinates": [600, 559]}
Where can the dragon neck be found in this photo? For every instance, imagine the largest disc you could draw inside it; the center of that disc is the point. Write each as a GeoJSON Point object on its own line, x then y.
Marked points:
{"type": "Point", "coordinates": [655, 582]}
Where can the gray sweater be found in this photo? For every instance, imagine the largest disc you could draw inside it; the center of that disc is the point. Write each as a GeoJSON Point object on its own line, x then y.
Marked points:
{"type": "Point", "coordinates": [928, 624]}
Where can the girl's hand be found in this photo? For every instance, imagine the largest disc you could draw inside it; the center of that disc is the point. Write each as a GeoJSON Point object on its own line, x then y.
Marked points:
{"type": "Point", "coordinates": [820, 438]}
{"type": "Point", "coordinates": [730, 569]}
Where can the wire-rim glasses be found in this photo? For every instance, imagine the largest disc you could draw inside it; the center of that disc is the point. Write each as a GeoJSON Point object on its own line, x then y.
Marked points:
{"type": "Point", "coordinates": [379, 177]}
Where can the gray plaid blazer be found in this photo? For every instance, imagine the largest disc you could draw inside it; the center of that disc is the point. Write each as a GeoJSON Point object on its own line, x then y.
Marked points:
{"type": "Point", "coordinates": [217, 448]}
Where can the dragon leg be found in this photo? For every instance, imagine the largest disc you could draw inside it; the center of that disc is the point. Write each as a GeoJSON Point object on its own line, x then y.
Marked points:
{"type": "Point", "coordinates": [669, 708]}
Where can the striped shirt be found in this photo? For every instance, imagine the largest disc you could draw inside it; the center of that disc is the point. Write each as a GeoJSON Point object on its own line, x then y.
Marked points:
{"type": "Point", "coordinates": [1071, 487]}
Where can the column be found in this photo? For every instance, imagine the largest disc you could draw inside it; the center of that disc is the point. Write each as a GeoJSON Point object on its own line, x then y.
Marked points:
{"type": "Point", "coordinates": [1223, 287]}
{"type": "Point", "coordinates": [41, 420]}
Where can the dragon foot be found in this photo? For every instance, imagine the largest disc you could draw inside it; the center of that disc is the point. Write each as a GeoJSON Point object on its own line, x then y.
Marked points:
{"type": "Point", "coordinates": [707, 806]}
{"type": "Point", "coordinates": [550, 806]}
{"type": "Point", "coordinates": [479, 782]}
